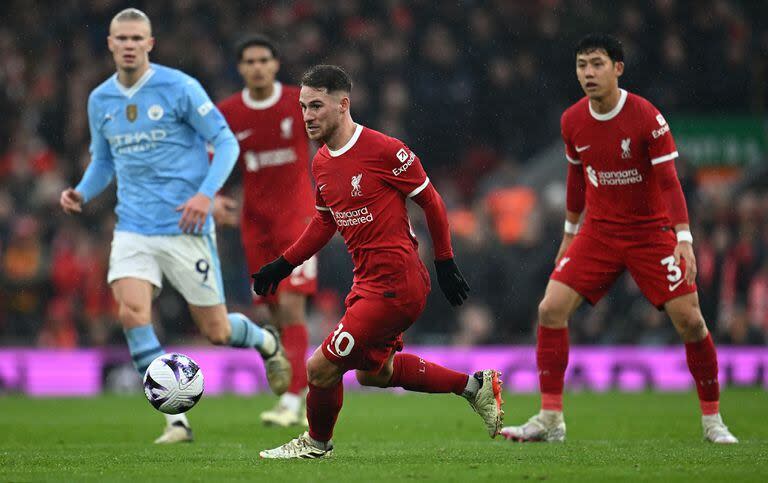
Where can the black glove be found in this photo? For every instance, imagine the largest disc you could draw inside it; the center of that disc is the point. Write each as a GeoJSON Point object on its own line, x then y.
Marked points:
{"type": "Point", "coordinates": [451, 281]}
{"type": "Point", "coordinates": [270, 275]}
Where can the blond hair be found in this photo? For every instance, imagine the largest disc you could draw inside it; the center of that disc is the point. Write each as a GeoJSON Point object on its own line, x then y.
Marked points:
{"type": "Point", "coordinates": [131, 14]}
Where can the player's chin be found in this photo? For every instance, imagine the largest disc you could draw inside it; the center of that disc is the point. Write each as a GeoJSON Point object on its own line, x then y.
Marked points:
{"type": "Point", "coordinates": [592, 91]}
{"type": "Point", "coordinates": [314, 133]}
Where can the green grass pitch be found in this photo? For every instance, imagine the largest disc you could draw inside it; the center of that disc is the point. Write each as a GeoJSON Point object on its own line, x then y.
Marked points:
{"type": "Point", "coordinates": [383, 436]}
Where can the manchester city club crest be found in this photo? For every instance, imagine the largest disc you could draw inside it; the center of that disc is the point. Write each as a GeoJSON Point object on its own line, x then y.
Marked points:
{"type": "Point", "coordinates": [131, 112]}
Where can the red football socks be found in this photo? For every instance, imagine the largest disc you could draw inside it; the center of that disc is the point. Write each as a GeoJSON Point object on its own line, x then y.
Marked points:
{"type": "Point", "coordinates": [702, 362]}
{"type": "Point", "coordinates": [323, 406]}
{"type": "Point", "coordinates": [552, 360]}
{"type": "Point", "coordinates": [294, 338]}
{"type": "Point", "coordinates": [413, 373]}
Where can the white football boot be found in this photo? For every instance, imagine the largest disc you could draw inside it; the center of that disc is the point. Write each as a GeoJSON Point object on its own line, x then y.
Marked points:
{"type": "Point", "coordinates": [302, 447]}
{"type": "Point", "coordinates": [716, 431]}
{"type": "Point", "coordinates": [284, 417]}
{"type": "Point", "coordinates": [277, 366]}
{"type": "Point", "coordinates": [175, 432]}
{"type": "Point", "coordinates": [487, 400]}
{"type": "Point", "coordinates": [546, 426]}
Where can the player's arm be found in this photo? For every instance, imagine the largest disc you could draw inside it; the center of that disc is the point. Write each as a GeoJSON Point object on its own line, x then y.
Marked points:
{"type": "Point", "coordinates": [663, 152]}
{"type": "Point", "coordinates": [677, 210]}
{"type": "Point", "coordinates": [449, 277]}
{"type": "Point", "coordinates": [208, 121]}
{"type": "Point", "coordinates": [402, 169]}
{"type": "Point", "coordinates": [226, 203]}
{"type": "Point", "coordinates": [315, 236]}
{"type": "Point", "coordinates": [99, 172]}
{"type": "Point", "coordinates": [575, 197]}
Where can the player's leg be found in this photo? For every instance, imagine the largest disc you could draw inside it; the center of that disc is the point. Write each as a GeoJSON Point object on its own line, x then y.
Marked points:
{"type": "Point", "coordinates": [237, 330]}
{"type": "Point", "coordinates": [135, 278]}
{"type": "Point", "coordinates": [288, 315]}
{"type": "Point", "coordinates": [134, 302]}
{"type": "Point", "coordinates": [702, 362]}
{"type": "Point", "coordinates": [324, 401]}
{"type": "Point", "coordinates": [412, 373]}
{"type": "Point", "coordinates": [586, 271]}
{"type": "Point", "coordinates": [652, 265]}
{"type": "Point", "coordinates": [552, 346]}
{"type": "Point", "coordinates": [191, 264]}
{"type": "Point", "coordinates": [557, 306]}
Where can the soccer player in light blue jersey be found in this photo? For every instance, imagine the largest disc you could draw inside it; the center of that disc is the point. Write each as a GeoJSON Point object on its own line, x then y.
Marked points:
{"type": "Point", "coordinates": [149, 128]}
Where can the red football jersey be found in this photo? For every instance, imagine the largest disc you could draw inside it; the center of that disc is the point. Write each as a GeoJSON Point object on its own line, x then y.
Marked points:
{"type": "Point", "coordinates": [274, 159]}
{"type": "Point", "coordinates": [618, 150]}
{"type": "Point", "coordinates": [364, 186]}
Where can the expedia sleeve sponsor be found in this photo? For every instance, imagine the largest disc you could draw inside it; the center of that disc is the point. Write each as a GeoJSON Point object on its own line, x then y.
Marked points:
{"type": "Point", "coordinates": [657, 133]}
{"type": "Point", "coordinates": [406, 164]}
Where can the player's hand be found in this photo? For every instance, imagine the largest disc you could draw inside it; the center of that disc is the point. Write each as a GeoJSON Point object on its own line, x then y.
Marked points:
{"type": "Point", "coordinates": [71, 201]}
{"type": "Point", "coordinates": [225, 210]}
{"type": "Point", "coordinates": [451, 281]}
{"type": "Point", "coordinates": [684, 250]}
{"type": "Point", "coordinates": [193, 213]}
{"type": "Point", "coordinates": [269, 276]}
{"type": "Point", "coordinates": [567, 240]}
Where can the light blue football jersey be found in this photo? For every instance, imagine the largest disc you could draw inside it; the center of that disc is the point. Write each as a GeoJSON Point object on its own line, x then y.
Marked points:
{"type": "Point", "coordinates": [152, 137]}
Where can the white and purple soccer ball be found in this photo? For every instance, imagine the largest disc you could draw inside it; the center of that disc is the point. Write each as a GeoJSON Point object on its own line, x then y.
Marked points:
{"type": "Point", "coordinates": [173, 383]}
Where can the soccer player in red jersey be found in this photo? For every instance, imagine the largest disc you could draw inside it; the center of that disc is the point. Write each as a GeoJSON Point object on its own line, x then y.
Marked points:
{"type": "Point", "coordinates": [621, 168]}
{"type": "Point", "coordinates": [277, 203]}
{"type": "Point", "coordinates": [363, 179]}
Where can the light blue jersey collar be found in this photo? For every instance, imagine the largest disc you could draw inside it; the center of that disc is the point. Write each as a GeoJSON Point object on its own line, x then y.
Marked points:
{"type": "Point", "coordinates": [130, 91]}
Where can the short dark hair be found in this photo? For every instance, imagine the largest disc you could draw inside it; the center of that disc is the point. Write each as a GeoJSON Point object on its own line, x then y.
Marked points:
{"type": "Point", "coordinates": [331, 77]}
{"type": "Point", "coordinates": [255, 40]}
{"type": "Point", "coordinates": [610, 44]}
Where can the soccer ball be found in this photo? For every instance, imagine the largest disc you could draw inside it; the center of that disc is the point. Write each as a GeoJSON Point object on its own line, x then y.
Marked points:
{"type": "Point", "coordinates": [173, 383]}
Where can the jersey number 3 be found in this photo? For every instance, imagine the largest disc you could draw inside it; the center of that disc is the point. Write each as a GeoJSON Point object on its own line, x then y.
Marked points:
{"type": "Point", "coordinates": [674, 271]}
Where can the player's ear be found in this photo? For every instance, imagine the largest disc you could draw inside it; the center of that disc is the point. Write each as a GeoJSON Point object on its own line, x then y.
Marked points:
{"type": "Point", "coordinates": [151, 44]}
{"type": "Point", "coordinates": [344, 104]}
{"type": "Point", "coordinates": [619, 67]}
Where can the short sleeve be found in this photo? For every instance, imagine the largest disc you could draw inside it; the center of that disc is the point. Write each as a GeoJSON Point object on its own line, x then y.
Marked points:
{"type": "Point", "coordinates": [200, 112]}
{"type": "Point", "coordinates": [570, 151]}
{"type": "Point", "coordinates": [661, 144]}
{"type": "Point", "coordinates": [402, 169]}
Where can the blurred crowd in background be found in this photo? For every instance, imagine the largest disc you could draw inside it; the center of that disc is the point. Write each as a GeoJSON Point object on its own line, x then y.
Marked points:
{"type": "Point", "coordinates": [476, 88]}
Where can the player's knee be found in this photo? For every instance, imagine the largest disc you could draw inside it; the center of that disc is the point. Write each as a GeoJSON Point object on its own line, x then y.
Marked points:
{"type": "Point", "coordinates": [379, 379]}
{"type": "Point", "coordinates": [289, 312]}
{"type": "Point", "coordinates": [319, 373]}
{"type": "Point", "coordinates": [551, 314]}
{"type": "Point", "coordinates": [218, 335]}
{"type": "Point", "coordinates": [132, 314]}
{"type": "Point", "coordinates": [692, 326]}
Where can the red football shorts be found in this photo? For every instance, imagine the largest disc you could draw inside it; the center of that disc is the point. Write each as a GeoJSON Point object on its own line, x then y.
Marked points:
{"type": "Point", "coordinates": [370, 331]}
{"type": "Point", "coordinates": [594, 261]}
{"type": "Point", "coordinates": [259, 251]}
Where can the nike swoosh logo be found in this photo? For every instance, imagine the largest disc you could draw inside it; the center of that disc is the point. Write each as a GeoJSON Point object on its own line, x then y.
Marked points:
{"type": "Point", "coordinates": [243, 134]}
{"type": "Point", "coordinates": [581, 149]}
{"type": "Point", "coordinates": [331, 351]}
{"type": "Point", "coordinates": [189, 383]}
{"type": "Point", "coordinates": [673, 287]}
{"type": "Point", "coordinates": [320, 188]}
